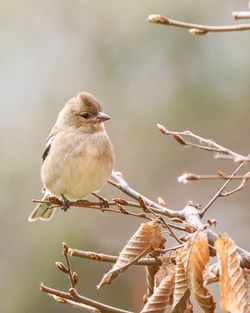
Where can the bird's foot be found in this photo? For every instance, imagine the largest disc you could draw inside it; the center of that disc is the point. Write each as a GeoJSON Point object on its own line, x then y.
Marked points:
{"type": "Point", "coordinates": [103, 202]}
{"type": "Point", "coordinates": [65, 203]}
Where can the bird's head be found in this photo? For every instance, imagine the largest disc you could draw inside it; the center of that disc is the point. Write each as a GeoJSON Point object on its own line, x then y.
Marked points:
{"type": "Point", "coordinates": [83, 111]}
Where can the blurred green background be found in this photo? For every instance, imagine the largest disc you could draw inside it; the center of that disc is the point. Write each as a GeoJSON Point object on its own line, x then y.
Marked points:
{"type": "Point", "coordinates": [143, 74]}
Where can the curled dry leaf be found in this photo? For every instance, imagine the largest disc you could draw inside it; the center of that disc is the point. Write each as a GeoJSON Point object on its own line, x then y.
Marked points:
{"type": "Point", "coordinates": [181, 292]}
{"type": "Point", "coordinates": [165, 269]}
{"type": "Point", "coordinates": [150, 276]}
{"type": "Point", "coordinates": [161, 297]}
{"type": "Point", "coordinates": [148, 238]}
{"type": "Point", "coordinates": [192, 258]}
{"type": "Point", "coordinates": [233, 291]}
{"type": "Point", "coordinates": [197, 260]}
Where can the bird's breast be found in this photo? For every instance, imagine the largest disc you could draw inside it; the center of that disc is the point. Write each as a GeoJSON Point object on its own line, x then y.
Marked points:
{"type": "Point", "coordinates": [77, 165]}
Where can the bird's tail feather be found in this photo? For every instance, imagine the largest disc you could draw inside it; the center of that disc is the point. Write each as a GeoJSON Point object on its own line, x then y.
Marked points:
{"type": "Point", "coordinates": [42, 211]}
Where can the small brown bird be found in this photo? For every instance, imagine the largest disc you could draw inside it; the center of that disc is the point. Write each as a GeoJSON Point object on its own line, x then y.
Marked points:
{"type": "Point", "coordinates": [79, 157]}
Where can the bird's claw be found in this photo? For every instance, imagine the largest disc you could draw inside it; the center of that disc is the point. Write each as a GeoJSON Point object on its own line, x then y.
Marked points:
{"type": "Point", "coordinates": [65, 203]}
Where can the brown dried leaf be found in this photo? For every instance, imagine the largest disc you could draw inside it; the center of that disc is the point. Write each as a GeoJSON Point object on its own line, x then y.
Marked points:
{"type": "Point", "coordinates": [151, 270]}
{"type": "Point", "coordinates": [166, 267]}
{"type": "Point", "coordinates": [181, 292]}
{"type": "Point", "coordinates": [191, 262]}
{"type": "Point", "coordinates": [148, 238]}
{"type": "Point", "coordinates": [233, 291]}
{"type": "Point", "coordinates": [197, 260]}
{"type": "Point", "coordinates": [161, 297]}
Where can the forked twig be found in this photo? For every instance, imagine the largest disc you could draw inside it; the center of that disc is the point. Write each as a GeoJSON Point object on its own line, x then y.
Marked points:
{"type": "Point", "coordinates": [219, 193]}
{"type": "Point", "coordinates": [204, 144]}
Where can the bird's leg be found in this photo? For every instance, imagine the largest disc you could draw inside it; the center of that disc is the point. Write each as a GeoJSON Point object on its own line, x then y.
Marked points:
{"type": "Point", "coordinates": [66, 203]}
{"type": "Point", "coordinates": [104, 202]}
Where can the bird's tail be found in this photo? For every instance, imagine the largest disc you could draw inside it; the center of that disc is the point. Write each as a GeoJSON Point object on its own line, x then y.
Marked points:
{"type": "Point", "coordinates": [42, 211]}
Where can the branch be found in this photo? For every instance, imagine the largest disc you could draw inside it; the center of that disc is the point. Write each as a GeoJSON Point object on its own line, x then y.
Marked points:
{"type": "Point", "coordinates": [196, 29]}
{"type": "Point", "coordinates": [120, 203]}
{"type": "Point", "coordinates": [219, 193]}
{"type": "Point", "coordinates": [111, 258]}
{"type": "Point", "coordinates": [101, 257]}
{"type": "Point", "coordinates": [124, 187]}
{"type": "Point", "coordinates": [74, 296]}
{"type": "Point", "coordinates": [188, 177]}
{"type": "Point", "coordinates": [204, 144]}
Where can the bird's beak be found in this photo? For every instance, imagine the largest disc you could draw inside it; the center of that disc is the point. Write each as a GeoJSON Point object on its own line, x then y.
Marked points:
{"type": "Point", "coordinates": [101, 117]}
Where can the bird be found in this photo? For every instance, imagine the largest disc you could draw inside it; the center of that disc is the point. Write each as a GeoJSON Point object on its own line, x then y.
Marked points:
{"type": "Point", "coordinates": [78, 158]}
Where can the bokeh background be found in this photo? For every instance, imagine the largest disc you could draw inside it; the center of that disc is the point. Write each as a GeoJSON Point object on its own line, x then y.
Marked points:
{"type": "Point", "coordinates": [143, 74]}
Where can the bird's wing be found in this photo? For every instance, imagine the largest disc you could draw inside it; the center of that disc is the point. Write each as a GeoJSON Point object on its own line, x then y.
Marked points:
{"type": "Point", "coordinates": [50, 139]}
{"type": "Point", "coordinates": [47, 148]}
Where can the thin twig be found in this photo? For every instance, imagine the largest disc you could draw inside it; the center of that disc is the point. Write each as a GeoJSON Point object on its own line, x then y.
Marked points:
{"type": "Point", "coordinates": [97, 206]}
{"type": "Point", "coordinates": [239, 188]}
{"type": "Point", "coordinates": [110, 258]}
{"type": "Point", "coordinates": [75, 304]}
{"type": "Point", "coordinates": [65, 253]}
{"type": "Point", "coordinates": [86, 203]}
{"type": "Point", "coordinates": [196, 29]}
{"type": "Point", "coordinates": [188, 177]}
{"type": "Point", "coordinates": [74, 296]}
{"type": "Point", "coordinates": [205, 144]}
{"type": "Point", "coordinates": [219, 192]}
{"type": "Point", "coordinates": [171, 232]}
{"type": "Point", "coordinates": [173, 248]}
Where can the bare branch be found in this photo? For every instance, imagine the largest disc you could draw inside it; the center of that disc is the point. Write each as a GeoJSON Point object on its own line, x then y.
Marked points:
{"type": "Point", "coordinates": [101, 257]}
{"type": "Point", "coordinates": [239, 188]}
{"type": "Point", "coordinates": [57, 203]}
{"type": "Point", "coordinates": [196, 29]}
{"type": "Point", "coordinates": [123, 185]}
{"type": "Point", "coordinates": [74, 296]}
{"type": "Point", "coordinates": [219, 192]}
{"type": "Point", "coordinates": [75, 304]}
{"type": "Point", "coordinates": [188, 177]}
{"type": "Point", "coordinates": [110, 258]}
{"type": "Point", "coordinates": [70, 274]}
{"type": "Point", "coordinates": [204, 144]}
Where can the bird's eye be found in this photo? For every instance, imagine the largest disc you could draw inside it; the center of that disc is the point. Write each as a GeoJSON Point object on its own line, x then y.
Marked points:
{"type": "Point", "coordinates": [85, 115]}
